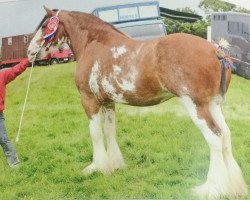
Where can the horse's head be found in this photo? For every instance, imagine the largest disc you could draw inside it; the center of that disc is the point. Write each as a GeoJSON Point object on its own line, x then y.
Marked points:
{"type": "Point", "coordinates": [50, 31]}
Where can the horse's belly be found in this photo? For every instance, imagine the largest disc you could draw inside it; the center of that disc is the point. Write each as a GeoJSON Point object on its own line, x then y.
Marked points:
{"type": "Point", "coordinates": [147, 99]}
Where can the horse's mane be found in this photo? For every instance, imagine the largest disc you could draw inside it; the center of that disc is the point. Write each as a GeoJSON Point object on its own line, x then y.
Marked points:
{"type": "Point", "coordinates": [94, 21]}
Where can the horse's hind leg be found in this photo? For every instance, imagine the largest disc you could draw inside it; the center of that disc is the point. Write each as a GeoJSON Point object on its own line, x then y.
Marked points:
{"type": "Point", "coordinates": [238, 185]}
{"type": "Point", "coordinates": [100, 157]}
{"type": "Point", "coordinates": [217, 183]}
{"type": "Point", "coordinates": [114, 154]}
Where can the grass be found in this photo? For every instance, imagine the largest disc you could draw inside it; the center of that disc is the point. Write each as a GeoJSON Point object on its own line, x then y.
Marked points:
{"type": "Point", "coordinates": [165, 153]}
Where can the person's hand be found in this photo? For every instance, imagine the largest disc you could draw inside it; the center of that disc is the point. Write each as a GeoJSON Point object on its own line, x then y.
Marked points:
{"type": "Point", "coordinates": [31, 58]}
{"type": "Point", "coordinates": [25, 62]}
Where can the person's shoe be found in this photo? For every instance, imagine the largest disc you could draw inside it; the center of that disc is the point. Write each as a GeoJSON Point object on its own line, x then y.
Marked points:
{"type": "Point", "coordinates": [14, 163]}
{"type": "Point", "coordinates": [14, 166]}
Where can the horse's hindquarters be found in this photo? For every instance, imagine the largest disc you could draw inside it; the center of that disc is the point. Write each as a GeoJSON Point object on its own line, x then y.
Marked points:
{"type": "Point", "coordinates": [188, 65]}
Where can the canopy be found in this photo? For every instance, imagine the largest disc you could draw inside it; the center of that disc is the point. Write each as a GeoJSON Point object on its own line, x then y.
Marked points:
{"type": "Point", "coordinates": [177, 15]}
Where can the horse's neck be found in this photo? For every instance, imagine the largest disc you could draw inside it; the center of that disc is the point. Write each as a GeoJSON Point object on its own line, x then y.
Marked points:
{"type": "Point", "coordinates": [81, 36]}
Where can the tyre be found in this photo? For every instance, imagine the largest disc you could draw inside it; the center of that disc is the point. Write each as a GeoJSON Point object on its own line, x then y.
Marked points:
{"type": "Point", "coordinates": [54, 61]}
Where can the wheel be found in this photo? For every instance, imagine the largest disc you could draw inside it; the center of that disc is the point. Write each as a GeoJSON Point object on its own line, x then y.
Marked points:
{"type": "Point", "coordinates": [54, 61]}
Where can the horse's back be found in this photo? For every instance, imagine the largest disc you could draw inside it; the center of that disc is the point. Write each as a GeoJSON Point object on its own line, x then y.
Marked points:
{"type": "Point", "coordinates": [188, 64]}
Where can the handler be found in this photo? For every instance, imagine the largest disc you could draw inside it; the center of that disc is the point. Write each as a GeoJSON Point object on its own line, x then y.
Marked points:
{"type": "Point", "coordinates": [6, 76]}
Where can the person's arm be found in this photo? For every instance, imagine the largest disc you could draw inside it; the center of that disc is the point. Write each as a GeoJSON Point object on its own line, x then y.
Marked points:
{"type": "Point", "coordinates": [11, 73]}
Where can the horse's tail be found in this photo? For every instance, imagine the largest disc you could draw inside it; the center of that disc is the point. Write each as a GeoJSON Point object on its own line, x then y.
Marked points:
{"type": "Point", "coordinates": [226, 65]}
{"type": "Point", "coordinates": [223, 87]}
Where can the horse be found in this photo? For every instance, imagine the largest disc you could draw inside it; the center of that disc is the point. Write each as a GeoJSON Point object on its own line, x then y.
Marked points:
{"type": "Point", "coordinates": [113, 68]}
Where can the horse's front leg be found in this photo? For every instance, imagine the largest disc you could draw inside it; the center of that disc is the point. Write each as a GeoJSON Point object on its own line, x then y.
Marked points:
{"type": "Point", "coordinates": [114, 154]}
{"type": "Point", "coordinates": [100, 157]}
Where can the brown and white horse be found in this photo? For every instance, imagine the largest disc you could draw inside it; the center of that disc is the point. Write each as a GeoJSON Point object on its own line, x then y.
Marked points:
{"type": "Point", "coordinates": [113, 68]}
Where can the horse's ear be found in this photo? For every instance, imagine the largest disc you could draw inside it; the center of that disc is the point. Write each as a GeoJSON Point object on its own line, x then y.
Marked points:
{"type": "Point", "coordinates": [49, 12]}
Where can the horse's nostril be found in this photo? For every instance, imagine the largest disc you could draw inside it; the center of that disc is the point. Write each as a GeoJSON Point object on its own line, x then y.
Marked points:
{"type": "Point", "coordinates": [28, 51]}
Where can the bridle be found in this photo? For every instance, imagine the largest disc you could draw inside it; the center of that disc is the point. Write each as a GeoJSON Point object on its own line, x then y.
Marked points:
{"type": "Point", "coordinates": [51, 30]}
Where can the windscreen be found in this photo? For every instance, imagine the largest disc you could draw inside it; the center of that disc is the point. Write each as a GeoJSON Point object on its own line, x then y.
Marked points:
{"type": "Point", "coordinates": [145, 31]}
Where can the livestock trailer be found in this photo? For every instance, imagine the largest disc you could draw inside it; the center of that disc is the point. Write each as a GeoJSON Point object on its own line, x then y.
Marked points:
{"type": "Point", "coordinates": [138, 20]}
{"type": "Point", "coordinates": [234, 27]}
{"type": "Point", "coordinates": [14, 49]}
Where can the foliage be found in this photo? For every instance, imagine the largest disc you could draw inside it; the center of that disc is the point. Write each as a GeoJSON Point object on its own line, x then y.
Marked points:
{"type": "Point", "coordinates": [215, 6]}
{"type": "Point", "coordinates": [198, 28]}
{"type": "Point", "coordinates": [187, 10]}
{"type": "Point", "coordinates": [210, 6]}
{"type": "Point", "coordinates": [165, 153]}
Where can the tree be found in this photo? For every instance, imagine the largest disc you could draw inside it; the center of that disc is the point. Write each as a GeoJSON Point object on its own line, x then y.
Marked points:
{"type": "Point", "coordinates": [215, 6]}
{"type": "Point", "coordinates": [198, 28]}
{"type": "Point", "coordinates": [187, 10]}
{"type": "Point", "coordinates": [210, 6]}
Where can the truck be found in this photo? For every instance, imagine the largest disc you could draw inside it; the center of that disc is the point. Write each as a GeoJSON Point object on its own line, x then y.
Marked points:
{"type": "Point", "coordinates": [138, 20]}
{"type": "Point", "coordinates": [14, 49]}
{"type": "Point", "coordinates": [234, 27]}
{"type": "Point", "coordinates": [55, 55]}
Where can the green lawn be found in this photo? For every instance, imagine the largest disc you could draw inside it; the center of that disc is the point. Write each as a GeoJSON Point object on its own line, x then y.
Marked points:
{"type": "Point", "coordinates": [165, 153]}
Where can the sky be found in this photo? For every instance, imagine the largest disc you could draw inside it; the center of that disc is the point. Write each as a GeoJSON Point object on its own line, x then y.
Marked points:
{"type": "Point", "coordinates": [23, 16]}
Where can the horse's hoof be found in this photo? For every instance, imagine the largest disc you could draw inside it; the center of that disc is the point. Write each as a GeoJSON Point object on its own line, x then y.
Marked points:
{"type": "Point", "coordinates": [104, 169]}
{"type": "Point", "coordinates": [89, 169]}
{"type": "Point", "coordinates": [117, 164]}
{"type": "Point", "coordinates": [209, 191]}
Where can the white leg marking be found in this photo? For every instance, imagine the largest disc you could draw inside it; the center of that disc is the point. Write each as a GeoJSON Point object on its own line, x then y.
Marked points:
{"type": "Point", "coordinates": [238, 187]}
{"type": "Point", "coordinates": [217, 183]}
{"type": "Point", "coordinates": [100, 157]}
{"type": "Point", "coordinates": [115, 156]}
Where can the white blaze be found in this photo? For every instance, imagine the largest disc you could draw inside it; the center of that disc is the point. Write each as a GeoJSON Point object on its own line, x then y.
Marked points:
{"type": "Point", "coordinates": [34, 47]}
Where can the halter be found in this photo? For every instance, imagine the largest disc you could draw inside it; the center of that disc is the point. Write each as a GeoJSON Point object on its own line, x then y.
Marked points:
{"type": "Point", "coordinates": [51, 29]}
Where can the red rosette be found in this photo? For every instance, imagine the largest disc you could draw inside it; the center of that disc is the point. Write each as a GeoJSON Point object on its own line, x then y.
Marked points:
{"type": "Point", "coordinates": [51, 26]}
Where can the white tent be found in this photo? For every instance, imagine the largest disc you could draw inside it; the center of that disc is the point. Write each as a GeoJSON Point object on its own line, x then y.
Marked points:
{"type": "Point", "coordinates": [242, 3]}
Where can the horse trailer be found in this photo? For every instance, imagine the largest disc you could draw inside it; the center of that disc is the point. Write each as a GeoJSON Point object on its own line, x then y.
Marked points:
{"type": "Point", "coordinates": [234, 27]}
{"type": "Point", "coordinates": [14, 49]}
{"type": "Point", "coordinates": [137, 20]}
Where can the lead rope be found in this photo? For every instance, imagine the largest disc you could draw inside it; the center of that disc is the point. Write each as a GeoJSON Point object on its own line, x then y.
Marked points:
{"type": "Point", "coordinates": [26, 96]}
{"type": "Point", "coordinates": [24, 105]}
